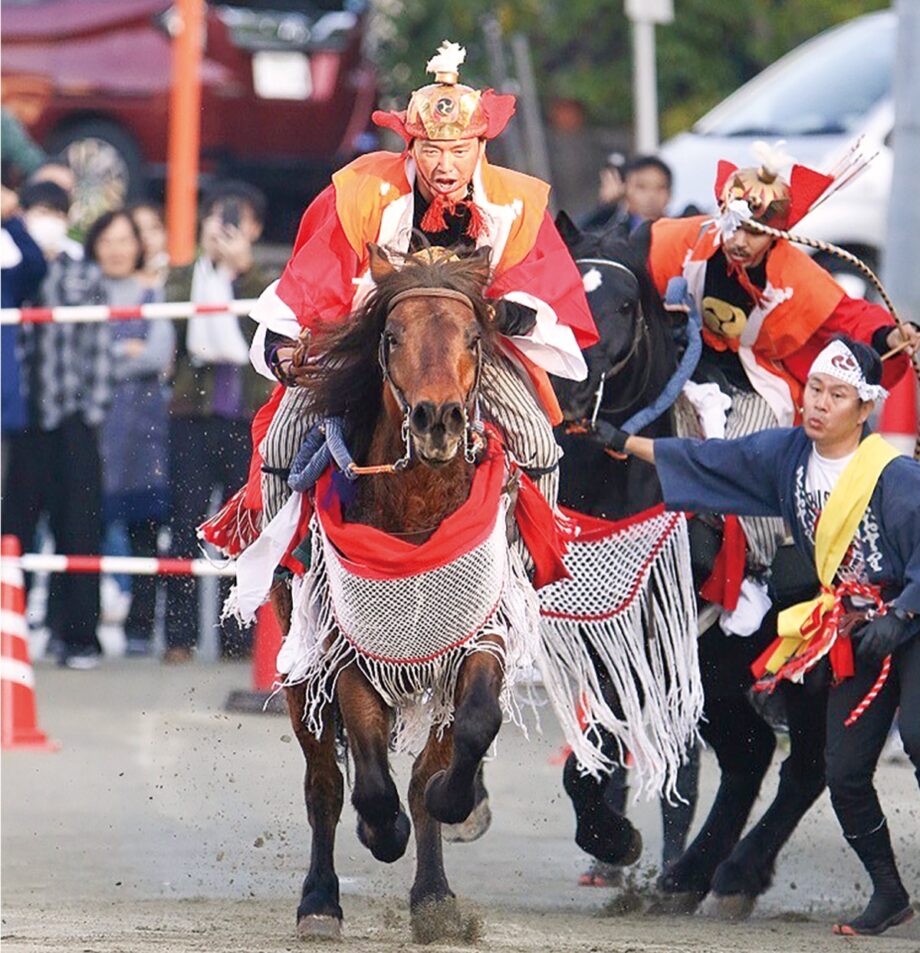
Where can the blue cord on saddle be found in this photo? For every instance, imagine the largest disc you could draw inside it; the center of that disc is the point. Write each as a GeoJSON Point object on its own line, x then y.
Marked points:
{"type": "Point", "coordinates": [324, 444]}
{"type": "Point", "coordinates": [677, 294]}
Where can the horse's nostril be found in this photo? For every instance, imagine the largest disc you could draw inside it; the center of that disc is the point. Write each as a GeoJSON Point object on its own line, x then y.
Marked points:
{"type": "Point", "coordinates": [452, 418]}
{"type": "Point", "coordinates": [422, 418]}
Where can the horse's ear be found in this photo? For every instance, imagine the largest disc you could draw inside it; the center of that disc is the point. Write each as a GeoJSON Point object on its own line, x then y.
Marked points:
{"type": "Point", "coordinates": [570, 232]}
{"type": "Point", "coordinates": [380, 266]}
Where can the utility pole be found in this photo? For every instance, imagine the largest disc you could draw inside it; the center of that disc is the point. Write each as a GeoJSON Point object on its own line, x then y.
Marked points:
{"type": "Point", "coordinates": [644, 14]}
{"type": "Point", "coordinates": [184, 131]}
{"type": "Point", "coordinates": [902, 277]}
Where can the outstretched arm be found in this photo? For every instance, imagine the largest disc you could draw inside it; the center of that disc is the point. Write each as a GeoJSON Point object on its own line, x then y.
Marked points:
{"type": "Point", "coordinates": [723, 476]}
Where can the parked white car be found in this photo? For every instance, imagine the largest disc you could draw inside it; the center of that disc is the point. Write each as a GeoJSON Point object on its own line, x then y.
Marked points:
{"type": "Point", "coordinates": [820, 98]}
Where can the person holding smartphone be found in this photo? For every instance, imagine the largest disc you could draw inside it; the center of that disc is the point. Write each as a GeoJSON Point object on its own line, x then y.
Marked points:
{"type": "Point", "coordinates": [215, 392]}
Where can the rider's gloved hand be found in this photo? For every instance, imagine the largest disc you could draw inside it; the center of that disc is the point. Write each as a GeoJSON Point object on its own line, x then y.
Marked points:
{"type": "Point", "coordinates": [512, 318]}
{"type": "Point", "coordinates": [609, 437]}
{"type": "Point", "coordinates": [885, 634]}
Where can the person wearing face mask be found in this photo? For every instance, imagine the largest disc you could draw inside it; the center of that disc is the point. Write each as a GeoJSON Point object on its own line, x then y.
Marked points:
{"type": "Point", "coordinates": [853, 506]}
{"type": "Point", "coordinates": [134, 434]}
{"type": "Point", "coordinates": [439, 192]}
{"type": "Point", "coordinates": [54, 463]}
{"type": "Point", "coordinates": [45, 206]}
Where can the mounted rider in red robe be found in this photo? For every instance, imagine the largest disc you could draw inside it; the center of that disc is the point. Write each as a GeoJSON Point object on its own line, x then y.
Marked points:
{"type": "Point", "coordinates": [439, 192]}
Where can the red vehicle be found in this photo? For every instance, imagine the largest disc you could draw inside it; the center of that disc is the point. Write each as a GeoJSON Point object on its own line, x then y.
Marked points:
{"type": "Point", "coordinates": [287, 90]}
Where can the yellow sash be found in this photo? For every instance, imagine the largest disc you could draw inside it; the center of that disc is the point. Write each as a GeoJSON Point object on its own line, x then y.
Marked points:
{"type": "Point", "coordinates": [839, 522]}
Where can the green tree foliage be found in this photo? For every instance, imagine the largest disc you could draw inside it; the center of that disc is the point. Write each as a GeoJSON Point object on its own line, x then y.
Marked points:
{"type": "Point", "coordinates": [581, 48]}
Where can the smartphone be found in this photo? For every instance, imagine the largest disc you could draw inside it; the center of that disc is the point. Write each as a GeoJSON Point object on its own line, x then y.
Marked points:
{"type": "Point", "coordinates": [230, 212]}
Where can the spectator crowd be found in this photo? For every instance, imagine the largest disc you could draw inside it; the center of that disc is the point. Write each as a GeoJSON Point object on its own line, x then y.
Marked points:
{"type": "Point", "coordinates": [119, 435]}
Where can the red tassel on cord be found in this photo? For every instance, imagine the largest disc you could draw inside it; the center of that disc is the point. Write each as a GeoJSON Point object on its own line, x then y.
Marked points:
{"type": "Point", "coordinates": [724, 583]}
{"type": "Point", "coordinates": [433, 220]}
{"type": "Point", "coordinates": [477, 224]}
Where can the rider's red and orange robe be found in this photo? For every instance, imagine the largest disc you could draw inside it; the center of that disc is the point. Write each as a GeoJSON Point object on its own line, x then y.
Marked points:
{"type": "Point", "coordinates": [372, 200]}
{"type": "Point", "coordinates": [800, 310]}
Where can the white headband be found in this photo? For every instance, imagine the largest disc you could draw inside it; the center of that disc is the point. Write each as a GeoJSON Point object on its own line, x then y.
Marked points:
{"type": "Point", "coordinates": [837, 360]}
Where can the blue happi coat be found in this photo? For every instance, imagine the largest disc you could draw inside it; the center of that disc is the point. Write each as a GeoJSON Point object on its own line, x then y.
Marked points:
{"type": "Point", "coordinates": [764, 475]}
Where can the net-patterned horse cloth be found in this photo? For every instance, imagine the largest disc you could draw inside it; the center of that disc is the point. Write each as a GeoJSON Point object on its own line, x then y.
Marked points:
{"type": "Point", "coordinates": [409, 634]}
{"type": "Point", "coordinates": [631, 603]}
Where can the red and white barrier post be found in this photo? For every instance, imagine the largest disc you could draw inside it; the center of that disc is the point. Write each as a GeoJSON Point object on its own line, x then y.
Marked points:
{"type": "Point", "coordinates": [266, 638]}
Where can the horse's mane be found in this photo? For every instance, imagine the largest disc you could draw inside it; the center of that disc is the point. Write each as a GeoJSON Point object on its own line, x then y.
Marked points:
{"type": "Point", "coordinates": [346, 381]}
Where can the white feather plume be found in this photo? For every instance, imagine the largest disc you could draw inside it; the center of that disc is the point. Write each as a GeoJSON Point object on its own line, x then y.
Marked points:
{"type": "Point", "coordinates": [448, 58]}
{"type": "Point", "coordinates": [773, 159]}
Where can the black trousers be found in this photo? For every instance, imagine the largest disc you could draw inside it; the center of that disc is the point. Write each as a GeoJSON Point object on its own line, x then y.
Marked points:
{"type": "Point", "coordinates": [853, 753]}
{"type": "Point", "coordinates": [204, 452]}
{"type": "Point", "coordinates": [58, 472]}
{"type": "Point", "coordinates": [142, 535]}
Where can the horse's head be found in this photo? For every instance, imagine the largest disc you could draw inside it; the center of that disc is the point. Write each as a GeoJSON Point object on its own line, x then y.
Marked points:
{"type": "Point", "coordinates": [615, 295]}
{"type": "Point", "coordinates": [431, 347]}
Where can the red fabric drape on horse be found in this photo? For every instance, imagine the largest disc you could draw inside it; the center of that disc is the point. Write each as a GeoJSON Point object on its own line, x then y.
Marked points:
{"type": "Point", "coordinates": [375, 554]}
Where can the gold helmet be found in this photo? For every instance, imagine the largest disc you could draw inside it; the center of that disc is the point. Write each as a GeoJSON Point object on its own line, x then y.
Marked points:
{"type": "Point", "coordinates": [446, 109]}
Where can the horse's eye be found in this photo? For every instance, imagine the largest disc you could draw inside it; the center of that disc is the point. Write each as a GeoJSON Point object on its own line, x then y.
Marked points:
{"type": "Point", "coordinates": [475, 339]}
{"type": "Point", "coordinates": [390, 339]}
{"type": "Point", "coordinates": [625, 307]}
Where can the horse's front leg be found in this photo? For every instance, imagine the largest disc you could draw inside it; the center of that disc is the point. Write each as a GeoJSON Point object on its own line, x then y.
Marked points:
{"type": "Point", "coordinates": [383, 826]}
{"type": "Point", "coordinates": [319, 913]}
{"type": "Point", "coordinates": [451, 793]}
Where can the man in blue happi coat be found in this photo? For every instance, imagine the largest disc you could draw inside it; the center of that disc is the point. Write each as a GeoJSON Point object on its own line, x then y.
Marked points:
{"type": "Point", "coordinates": [853, 506]}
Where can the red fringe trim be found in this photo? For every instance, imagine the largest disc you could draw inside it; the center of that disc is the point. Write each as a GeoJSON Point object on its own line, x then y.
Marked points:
{"type": "Point", "coordinates": [234, 527]}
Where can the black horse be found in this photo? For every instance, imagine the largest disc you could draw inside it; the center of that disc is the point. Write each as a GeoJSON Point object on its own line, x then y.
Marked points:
{"type": "Point", "coordinates": [627, 369]}
{"type": "Point", "coordinates": [635, 356]}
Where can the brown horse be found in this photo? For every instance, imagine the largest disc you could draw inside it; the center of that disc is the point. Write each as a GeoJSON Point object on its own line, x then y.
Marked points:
{"type": "Point", "coordinates": [408, 361]}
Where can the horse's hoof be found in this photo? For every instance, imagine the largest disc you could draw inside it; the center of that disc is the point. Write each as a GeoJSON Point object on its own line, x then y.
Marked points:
{"type": "Point", "coordinates": [436, 921]}
{"type": "Point", "coordinates": [316, 927]}
{"type": "Point", "coordinates": [596, 842]}
{"type": "Point", "coordinates": [472, 828]}
{"type": "Point", "coordinates": [387, 844]}
{"type": "Point", "coordinates": [675, 904]}
{"type": "Point", "coordinates": [735, 906]}
{"type": "Point", "coordinates": [448, 806]}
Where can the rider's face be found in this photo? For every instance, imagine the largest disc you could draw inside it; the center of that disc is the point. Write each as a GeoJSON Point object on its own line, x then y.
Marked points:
{"type": "Point", "coordinates": [446, 167]}
{"type": "Point", "coordinates": [747, 248]}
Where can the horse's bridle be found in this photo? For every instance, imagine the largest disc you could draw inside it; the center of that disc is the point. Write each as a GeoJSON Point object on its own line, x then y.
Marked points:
{"type": "Point", "coordinates": [472, 440]}
{"type": "Point", "coordinates": [640, 334]}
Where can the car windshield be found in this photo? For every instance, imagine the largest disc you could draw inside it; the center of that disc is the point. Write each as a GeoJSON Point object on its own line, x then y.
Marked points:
{"type": "Point", "coordinates": [825, 87]}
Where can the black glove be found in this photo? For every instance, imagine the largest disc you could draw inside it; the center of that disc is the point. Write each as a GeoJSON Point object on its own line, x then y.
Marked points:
{"type": "Point", "coordinates": [609, 437]}
{"type": "Point", "coordinates": [885, 634]}
{"type": "Point", "coordinates": [513, 318]}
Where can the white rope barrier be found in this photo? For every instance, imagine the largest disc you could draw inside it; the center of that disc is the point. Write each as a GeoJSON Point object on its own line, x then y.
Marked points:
{"type": "Point", "coordinates": [158, 311]}
{"type": "Point", "coordinates": [130, 565]}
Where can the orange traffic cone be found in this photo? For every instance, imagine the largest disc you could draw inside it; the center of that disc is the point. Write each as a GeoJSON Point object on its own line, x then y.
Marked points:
{"type": "Point", "coordinates": [899, 414]}
{"type": "Point", "coordinates": [18, 720]}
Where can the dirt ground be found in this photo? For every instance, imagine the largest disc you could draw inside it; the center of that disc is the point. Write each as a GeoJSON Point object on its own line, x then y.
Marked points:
{"type": "Point", "coordinates": [166, 824]}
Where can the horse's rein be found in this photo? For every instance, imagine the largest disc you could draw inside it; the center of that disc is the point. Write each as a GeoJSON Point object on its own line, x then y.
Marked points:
{"type": "Point", "coordinates": [472, 440]}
